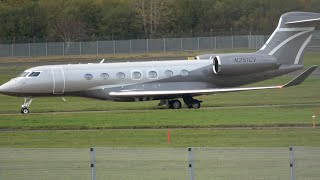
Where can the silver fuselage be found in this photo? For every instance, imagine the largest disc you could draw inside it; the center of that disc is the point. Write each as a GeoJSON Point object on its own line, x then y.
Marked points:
{"type": "Point", "coordinates": [97, 80]}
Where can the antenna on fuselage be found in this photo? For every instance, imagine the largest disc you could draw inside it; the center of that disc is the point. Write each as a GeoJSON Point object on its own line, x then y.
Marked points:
{"type": "Point", "coordinates": [102, 61]}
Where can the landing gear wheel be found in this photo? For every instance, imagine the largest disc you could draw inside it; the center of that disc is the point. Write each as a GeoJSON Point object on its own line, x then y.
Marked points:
{"type": "Point", "coordinates": [196, 105]}
{"type": "Point", "coordinates": [176, 104]}
{"type": "Point", "coordinates": [192, 103]}
{"type": "Point", "coordinates": [25, 111]}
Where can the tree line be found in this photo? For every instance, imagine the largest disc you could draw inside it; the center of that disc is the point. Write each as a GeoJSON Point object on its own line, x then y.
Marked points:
{"type": "Point", "coordinates": [74, 20]}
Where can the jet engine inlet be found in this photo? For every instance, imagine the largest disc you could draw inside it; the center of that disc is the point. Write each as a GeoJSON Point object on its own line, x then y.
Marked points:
{"type": "Point", "coordinates": [243, 64]}
{"type": "Point", "coordinates": [216, 65]}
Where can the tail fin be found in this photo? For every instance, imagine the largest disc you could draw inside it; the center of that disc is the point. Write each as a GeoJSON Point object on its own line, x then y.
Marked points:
{"type": "Point", "coordinates": [289, 40]}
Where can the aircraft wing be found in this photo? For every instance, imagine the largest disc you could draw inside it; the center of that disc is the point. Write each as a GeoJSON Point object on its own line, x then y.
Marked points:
{"type": "Point", "coordinates": [138, 93]}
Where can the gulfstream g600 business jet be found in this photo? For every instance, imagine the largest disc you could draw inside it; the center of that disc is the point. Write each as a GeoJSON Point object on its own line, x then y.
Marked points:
{"type": "Point", "coordinates": [169, 80]}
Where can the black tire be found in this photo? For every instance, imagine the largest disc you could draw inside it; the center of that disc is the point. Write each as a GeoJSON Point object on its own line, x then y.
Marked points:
{"type": "Point", "coordinates": [25, 111]}
{"type": "Point", "coordinates": [176, 104]}
{"type": "Point", "coordinates": [196, 105]}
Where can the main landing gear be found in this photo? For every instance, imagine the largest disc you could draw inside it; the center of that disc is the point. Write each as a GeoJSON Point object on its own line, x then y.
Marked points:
{"type": "Point", "coordinates": [192, 103]}
{"type": "Point", "coordinates": [25, 105]}
{"type": "Point", "coordinates": [188, 100]}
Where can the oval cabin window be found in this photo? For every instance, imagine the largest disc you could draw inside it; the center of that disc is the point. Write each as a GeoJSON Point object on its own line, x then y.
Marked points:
{"type": "Point", "coordinates": [104, 76]}
{"type": "Point", "coordinates": [88, 76]}
{"type": "Point", "coordinates": [136, 75]}
{"type": "Point", "coordinates": [168, 73]}
{"type": "Point", "coordinates": [184, 72]}
{"type": "Point", "coordinates": [153, 74]}
{"type": "Point", "coordinates": [121, 75]}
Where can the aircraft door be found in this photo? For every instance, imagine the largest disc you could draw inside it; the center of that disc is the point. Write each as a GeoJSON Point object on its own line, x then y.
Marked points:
{"type": "Point", "coordinates": [58, 80]}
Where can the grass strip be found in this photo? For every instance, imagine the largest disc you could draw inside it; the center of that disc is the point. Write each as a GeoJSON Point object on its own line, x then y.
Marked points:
{"type": "Point", "coordinates": [158, 138]}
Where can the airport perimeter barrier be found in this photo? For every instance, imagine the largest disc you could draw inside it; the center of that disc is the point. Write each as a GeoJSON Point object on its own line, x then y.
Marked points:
{"type": "Point", "coordinates": [161, 163]}
{"type": "Point", "coordinates": [140, 46]}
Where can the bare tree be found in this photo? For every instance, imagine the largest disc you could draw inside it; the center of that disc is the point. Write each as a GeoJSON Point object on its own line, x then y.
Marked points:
{"type": "Point", "coordinates": [69, 29]}
{"type": "Point", "coordinates": [153, 14]}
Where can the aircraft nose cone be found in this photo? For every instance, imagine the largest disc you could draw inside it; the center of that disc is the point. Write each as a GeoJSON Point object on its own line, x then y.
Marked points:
{"type": "Point", "coordinates": [5, 88]}
{"type": "Point", "coordinates": [2, 89]}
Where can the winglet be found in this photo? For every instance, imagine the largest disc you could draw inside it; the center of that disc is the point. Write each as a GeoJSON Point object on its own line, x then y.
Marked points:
{"type": "Point", "coordinates": [299, 79]}
{"type": "Point", "coordinates": [102, 61]}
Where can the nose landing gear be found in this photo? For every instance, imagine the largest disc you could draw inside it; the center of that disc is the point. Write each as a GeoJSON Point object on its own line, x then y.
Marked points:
{"type": "Point", "coordinates": [25, 105]}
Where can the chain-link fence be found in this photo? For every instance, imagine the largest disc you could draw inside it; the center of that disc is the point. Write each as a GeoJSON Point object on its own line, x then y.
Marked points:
{"type": "Point", "coordinates": [160, 163]}
{"type": "Point", "coordinates": [139, 46]}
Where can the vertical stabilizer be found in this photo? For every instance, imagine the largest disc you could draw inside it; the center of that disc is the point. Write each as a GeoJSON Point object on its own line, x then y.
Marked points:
{"type": "Point", "coordinates": [293, 34]}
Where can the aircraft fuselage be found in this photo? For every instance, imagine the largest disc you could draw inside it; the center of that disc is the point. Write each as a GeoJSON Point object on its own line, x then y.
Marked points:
{"type": "Point", "coordinates": [97, 80]}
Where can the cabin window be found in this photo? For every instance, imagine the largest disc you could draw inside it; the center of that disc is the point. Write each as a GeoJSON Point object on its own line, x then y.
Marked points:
{"type": "Point", "coordinates": [136, 75]}
{"type": "Point", "coordinates": [152, 75]}
{"type": "Point", "coordinates": [184, 72]}
{"type": "Point", "coordinates": [104, 76]}
{"type": "Point", "coordinates": [168, 73]}
{"type": "Point", "coordinates": [88, 76]}
{"type": "Point", "coordinates": [34, 74]}
{"type": "Point", "coordinates": [121, 75]}
{"type": "Point", "coordinates": [24, 74]}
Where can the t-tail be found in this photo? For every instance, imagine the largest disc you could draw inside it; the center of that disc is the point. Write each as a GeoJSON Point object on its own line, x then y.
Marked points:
{"type": "Point", "coordinates": [291, 37]}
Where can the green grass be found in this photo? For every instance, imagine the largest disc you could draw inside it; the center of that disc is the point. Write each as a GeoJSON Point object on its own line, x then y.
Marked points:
{"type": "Point", "coordinates": [158, 138]}
{"type": "Point", "coordinates": [312, 58]}
{"type": "Point", "coordinates": [204, 118]}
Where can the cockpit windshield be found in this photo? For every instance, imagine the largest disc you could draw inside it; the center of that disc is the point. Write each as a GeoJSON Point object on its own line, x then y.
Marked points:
{"type": "Point", "coordinates": [34, 74]}
{"type": "Point", "coordinates": [24, 74]}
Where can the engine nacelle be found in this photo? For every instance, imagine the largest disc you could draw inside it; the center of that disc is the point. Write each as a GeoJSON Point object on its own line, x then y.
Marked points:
{"type": "Point", "coordinates": [242, 64]}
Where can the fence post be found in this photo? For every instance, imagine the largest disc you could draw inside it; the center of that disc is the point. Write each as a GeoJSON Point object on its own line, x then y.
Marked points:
{"type": "Point", "coordinates": [191, 163]}
{"type": "Point", "coordinates": [93, 163]}
{"type": "Point", "coordinates": [198, 43]}
{"type": "Point", "coordinates": [181, 44]}
{"type": "Point", "coordinates": [114, 47]}
{"type": "Point", "coordinates": [97, 47]}
{"type": "Point", "coordinates": [29, 49]}
{"type": "Point", "coordinates": [130, 46]}
{"type": "Point", "coordinates": [292, 164]}
{"type": "Point", "coordinates": [249, 42]}
{"type": "Point", "coordinates": [215, 42]}
{"type": "Point", "coordinates": [232, 42]}
{"type": "Point", "coordinates": [80, 48]}
{"type": "Point", "coordinates": [62, 48]}
{"type": "Point", "coordinates": [147, 45]}
{"type": "Point", "coordinates": [12, 50]}
{"type": "Point", "coordinates": [164, 44]}
{"type": "Point", "coordinates": [46, 48]}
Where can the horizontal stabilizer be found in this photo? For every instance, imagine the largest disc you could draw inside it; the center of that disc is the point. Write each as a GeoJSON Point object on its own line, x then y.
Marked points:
{"type": "Point", "coordinates": [304, 21]}
{"type": "Point", "coordinates": [141, 93]}
{"type": "Point", "coordinates": [303, 76]}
